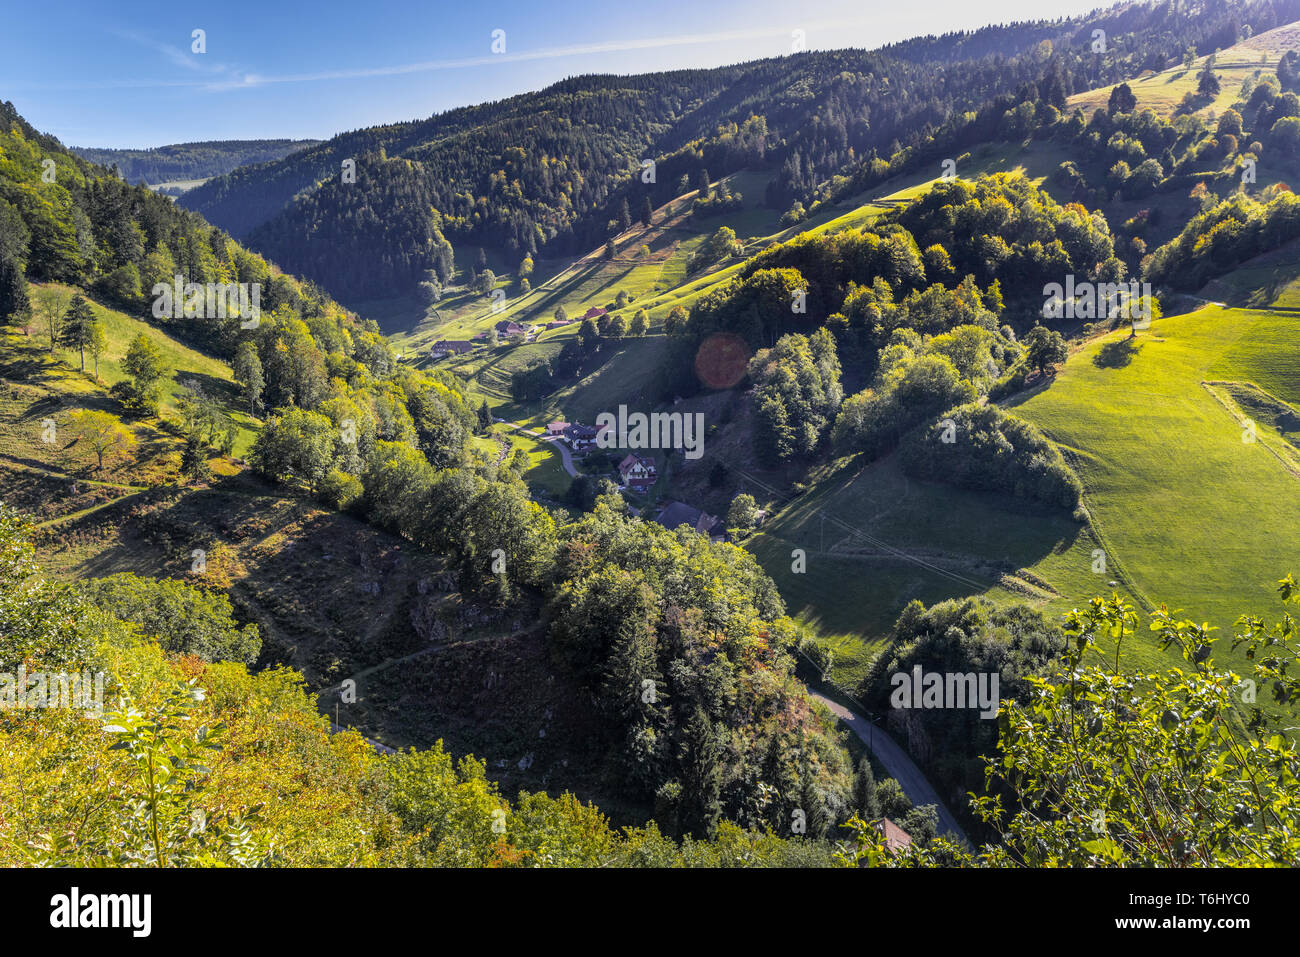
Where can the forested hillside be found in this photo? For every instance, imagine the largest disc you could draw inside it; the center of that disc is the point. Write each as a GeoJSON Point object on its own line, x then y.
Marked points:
{"type": "Point", "coordinates": [255, 761]}
{"type": "Point", "coordinates": [342, 421]}
{"type": "Point", "coordinates": [557, 172]}
{"type": "Point", "coordinates": [190, 161]}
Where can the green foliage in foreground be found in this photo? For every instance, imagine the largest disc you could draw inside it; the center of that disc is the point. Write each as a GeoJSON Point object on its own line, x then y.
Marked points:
{"type": "Point", "coordinates": [182, 618]}
{"type": "Point", "coordinates": [204, 764]}
{"type": "Point", "coordinates": [194, 764]}
{"type": "Point", "coordinates": [1122, 769]}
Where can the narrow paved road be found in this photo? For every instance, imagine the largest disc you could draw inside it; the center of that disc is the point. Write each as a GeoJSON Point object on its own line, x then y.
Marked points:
{"type": "Point", "coordinates": [899, 765]}
{"type": "Point", "coordinates": [565, 455]}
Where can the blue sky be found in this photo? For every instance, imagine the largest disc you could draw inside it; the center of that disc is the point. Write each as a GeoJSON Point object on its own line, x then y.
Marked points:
{"type": "Point", "coordinates": [96, 74]}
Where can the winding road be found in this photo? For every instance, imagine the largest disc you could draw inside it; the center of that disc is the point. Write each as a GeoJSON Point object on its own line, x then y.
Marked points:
{"type": "Point", "coordinates": [899, 765]}
{"type": "Point", "coordinates": [565, 455]}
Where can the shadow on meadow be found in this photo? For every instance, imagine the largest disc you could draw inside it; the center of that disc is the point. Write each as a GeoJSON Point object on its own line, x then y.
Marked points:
{"type": "Point", "coordinates": [1117, 354]}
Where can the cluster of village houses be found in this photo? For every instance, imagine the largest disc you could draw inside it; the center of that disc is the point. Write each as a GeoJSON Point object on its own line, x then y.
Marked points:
{"type": "Point", "coordinates": [636, 472]}
{"type": "Point", "coordinates": [506, 329]}
{"type": "Point", "coordinates": [639, 473]}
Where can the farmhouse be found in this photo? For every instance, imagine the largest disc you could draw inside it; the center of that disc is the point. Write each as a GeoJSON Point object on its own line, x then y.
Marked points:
{"type": "Point", "coordinates": [676, 514]}
{"type": "Point", "coordinates": [580, 437]}
{"type": "Point", "coordinates": [508, 327]}
{"type": "Point", "coordinates": [637, 472]}
{"type": "Point", "coordinates": [556, 428]}
{"type": "Point", "coordinates": [447, 347]}
{"type": "Point", "coordinates": [595, 312]}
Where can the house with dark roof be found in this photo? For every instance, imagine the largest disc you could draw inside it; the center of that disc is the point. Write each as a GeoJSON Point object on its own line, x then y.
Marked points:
{"type": "Point", "coordinates": [447, 347]}
{"type": "Point", "coordinates": [595, 312]}
{"type": "Point", "coordinates": [638, 472]}
{"type": "Point", "coordinates": [508, 327]}
{"type": "Point", "coordinates": [580, 437]}
{"type": "Point", "coordinates": [676, 514]}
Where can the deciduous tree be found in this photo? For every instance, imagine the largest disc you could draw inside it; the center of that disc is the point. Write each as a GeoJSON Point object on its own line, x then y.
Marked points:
{"type": "Point", "coordinates": [103, 433]}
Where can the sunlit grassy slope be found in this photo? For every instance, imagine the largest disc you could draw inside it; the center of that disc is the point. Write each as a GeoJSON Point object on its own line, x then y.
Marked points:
{"type": "Point", "coordinates": [1163, 91]}
{"type": "Point", "coordinates": [656, 280]}
{"type": "Point", "coordinates": [628, 371]}
{"type": "Point", "coordinates": [1200, 518]}
{"type": "Point", "coordinates": [1185, 511]}
{"type": "Point", "coordinates": [184, 364]}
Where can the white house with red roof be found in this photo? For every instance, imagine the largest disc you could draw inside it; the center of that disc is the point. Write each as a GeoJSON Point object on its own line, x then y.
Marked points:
{"type": "Point", "coordinates": [638, 472]}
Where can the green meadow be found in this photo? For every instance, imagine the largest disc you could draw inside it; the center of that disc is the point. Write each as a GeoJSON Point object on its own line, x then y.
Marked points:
{"type": "Point", "coordinates": [656, 279]}
{"type": "Point", "coordinates": [545, 472]}
{"type": "Point", "coordinates": [184, 364]}
{"type": "Point", "coordinates": [1183, 510]}
{"type": "Point", "coordinates": [873, 540]}
{"type": "Point", "coordinates": [1200, 518]}
{"type": "Point", "coordinates": [1164, 91]}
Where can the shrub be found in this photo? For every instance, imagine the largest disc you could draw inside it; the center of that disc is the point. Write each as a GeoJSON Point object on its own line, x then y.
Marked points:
{"type": "Point", "coordinates": [1012, 381]}
{"type": "Point", "coordinates": [340, 490]}
{"type": "Point", "coordinates": [182, 618]}
{"type": "Point", "coordinates": [985, 448]}
{"type": "Point", "coordinates": [918, 387]}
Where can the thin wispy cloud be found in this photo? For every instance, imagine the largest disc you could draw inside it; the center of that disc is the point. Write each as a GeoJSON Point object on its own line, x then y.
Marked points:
{"type": "Point", "coordinates": [174, 55]}
{"type": "Point", "coordinates": [223, 77]}
{"type": "Point", "coordinates": [547, 53]}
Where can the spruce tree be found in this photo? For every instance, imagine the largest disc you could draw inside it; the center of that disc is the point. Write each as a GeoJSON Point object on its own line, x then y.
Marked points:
{"type": "Point", "coordinates": [14, 303]}
{"type": "Point", "coordinates": [864, 791]}
{"type": "Point", "coordinates": [78, 327]}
